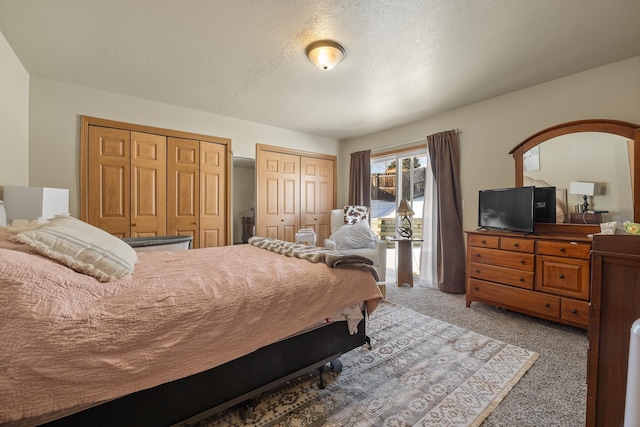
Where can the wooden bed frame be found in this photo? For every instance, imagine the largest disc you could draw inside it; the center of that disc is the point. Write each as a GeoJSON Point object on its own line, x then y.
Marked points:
{"type": "Point", "coordinates": [193, 398]}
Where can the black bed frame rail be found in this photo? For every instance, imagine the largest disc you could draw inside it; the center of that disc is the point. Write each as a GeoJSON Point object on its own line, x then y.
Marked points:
{"type": "Point", "coordinates": [195, 397]}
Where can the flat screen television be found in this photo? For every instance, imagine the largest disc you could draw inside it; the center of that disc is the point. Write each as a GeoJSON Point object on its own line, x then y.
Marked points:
{"type": "Point", "coordinates": [544, 204]}
{"type": "Point", "coordinates": [509, 209]}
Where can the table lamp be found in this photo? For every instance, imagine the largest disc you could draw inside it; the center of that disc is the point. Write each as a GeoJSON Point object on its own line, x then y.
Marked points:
{"type": "Point", "coordinates": [586, 189]}
{"type": "Point", "coordinates": [405, 212]}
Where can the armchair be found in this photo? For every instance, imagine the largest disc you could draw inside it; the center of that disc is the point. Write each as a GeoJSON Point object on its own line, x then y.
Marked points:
{"type": "Point", "coordinates": [376, 250]}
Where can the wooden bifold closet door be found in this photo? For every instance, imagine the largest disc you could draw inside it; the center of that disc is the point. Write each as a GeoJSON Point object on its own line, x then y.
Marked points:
{"type": "Point", "coordinates": [142, 184]}
{"type": "Point", "coordinates": [295, 190]}
{"type": "Point", "coordinates": [195, 201]}
{"type": "Point", "coordinates": [128, 177]}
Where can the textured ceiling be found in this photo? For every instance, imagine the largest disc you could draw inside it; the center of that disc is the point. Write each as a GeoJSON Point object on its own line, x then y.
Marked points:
{"type": "Point", "coordinates": [405, 60]}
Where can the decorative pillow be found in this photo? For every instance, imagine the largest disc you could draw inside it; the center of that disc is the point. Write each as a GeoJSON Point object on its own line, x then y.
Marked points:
{"type": "Point", "coordinates": [353, 214]}
{"type": "Point", "coordinates": [354, 236]}
{"type": "Point", "coordinates": [82, 247]}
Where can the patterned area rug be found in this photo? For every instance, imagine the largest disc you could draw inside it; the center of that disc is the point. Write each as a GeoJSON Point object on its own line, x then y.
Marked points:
{"type": "Point", "coordinates": [420, 372]}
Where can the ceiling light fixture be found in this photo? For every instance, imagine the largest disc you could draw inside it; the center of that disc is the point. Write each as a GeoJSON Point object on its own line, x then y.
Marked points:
{"type": "Point", "coordinates": [325, 54]}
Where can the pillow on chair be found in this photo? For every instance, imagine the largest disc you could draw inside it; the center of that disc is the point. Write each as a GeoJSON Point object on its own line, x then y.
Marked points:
{"type": "Point", "coordinates": [354, 236]}
{"type": "Point", "coordinates": [354, 214]}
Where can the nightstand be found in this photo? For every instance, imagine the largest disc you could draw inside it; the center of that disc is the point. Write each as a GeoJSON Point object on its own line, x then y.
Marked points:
{"type": "Point", "coordinates": [404, 261]}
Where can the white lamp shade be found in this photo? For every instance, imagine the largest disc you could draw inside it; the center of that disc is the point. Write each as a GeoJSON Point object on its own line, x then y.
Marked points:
{"type": "Point", "coordinates": [584, 188]}
{"type": "Point", "coordinates": [32, 203]}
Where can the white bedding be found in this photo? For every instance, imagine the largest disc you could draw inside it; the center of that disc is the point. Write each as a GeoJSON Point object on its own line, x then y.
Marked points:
{"type": "Point", "coordinates": [68, 339]}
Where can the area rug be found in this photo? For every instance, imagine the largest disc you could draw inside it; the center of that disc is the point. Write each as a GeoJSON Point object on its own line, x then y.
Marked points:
{"type": "Point", "coordinates": [420, 372]}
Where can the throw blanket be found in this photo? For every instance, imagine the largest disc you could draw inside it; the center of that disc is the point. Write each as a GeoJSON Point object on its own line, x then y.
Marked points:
{"type": "Point", "coordinates": [315, 254]}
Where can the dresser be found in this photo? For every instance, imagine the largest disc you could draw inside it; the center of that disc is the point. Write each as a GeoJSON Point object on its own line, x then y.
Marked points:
{"type": "Point", "coordinates": [542, 275]}
{"type": "Point", "coordinates": [615, 306]}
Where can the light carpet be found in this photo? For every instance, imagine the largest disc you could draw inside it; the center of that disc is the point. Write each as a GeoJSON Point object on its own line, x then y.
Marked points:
{"type": "Point", "coordinates": [420, 372]}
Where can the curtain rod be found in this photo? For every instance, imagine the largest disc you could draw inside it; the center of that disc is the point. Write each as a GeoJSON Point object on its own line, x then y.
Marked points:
{"type": "Point", "coordinates": [413, 141]}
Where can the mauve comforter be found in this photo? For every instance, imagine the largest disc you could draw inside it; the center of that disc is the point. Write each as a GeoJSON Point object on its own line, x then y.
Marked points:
{"type": "Point", "coordinates": [67, 340]}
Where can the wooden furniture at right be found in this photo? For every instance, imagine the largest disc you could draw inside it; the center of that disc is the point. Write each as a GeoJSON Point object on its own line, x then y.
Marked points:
{"type": "Point", "coordinates": [295, 189]}
{"type": "Point", "coordinates": [615, 306]}
{"type": "Point", "coordinates": [544, 275]}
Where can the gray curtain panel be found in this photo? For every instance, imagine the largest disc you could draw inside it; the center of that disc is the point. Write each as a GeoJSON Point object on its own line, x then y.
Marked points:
{"type": "Point", "coordinates": [444, 155]}
{"type": "Point", "coordinates": [360, 178]}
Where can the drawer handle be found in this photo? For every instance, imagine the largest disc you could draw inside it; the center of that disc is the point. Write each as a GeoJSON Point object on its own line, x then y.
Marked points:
{"type": "Point", "coordinates": [478, 255]}
{"type": "Point", "coordinates": [476, 288]}
{"type": "Point", "coordinates": [561, 276]}
{"type": "Point", "coordinates": [574, 311]}
{"type": "Point", "coordinates": [561, 249]}
{"type": "Point", "coordinates": [516, 244]}
{"type": "Point", "coordinates": [547, 305]}
{"type": "Point", "coordinates": [522, 261]}
{"type": "Point", "coordinates": [478, 271]}
{"type": "Point", "coordinates": [522, 279]}
{"type": "Point", "coordinates": [483, 242]}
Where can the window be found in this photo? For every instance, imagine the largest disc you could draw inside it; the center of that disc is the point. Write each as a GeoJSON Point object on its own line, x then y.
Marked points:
{"type": "Point", "coordinates": [389, 185]}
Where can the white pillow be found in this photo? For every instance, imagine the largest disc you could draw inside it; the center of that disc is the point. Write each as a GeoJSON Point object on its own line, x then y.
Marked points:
{"type": "Point", "coordinates": [354, 236]}
{"type": "Point", "coordinates": [82, 247]}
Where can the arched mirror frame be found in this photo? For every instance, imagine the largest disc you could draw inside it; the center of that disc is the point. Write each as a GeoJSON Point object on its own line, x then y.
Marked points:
{"type": "Point", "coordinates": [624, 129]}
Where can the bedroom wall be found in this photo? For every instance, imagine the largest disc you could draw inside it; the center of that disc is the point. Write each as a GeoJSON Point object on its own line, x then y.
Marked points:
{"type": "Point", "coordinates": [14, 118]}
{"type": "Point", "coordinates": [54, 123]}
{"type": "Point", "coordinates": [490, 129]}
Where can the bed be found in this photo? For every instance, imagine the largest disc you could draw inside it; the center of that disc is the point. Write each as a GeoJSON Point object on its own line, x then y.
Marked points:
{"type": "Point", "coordinates": [188, 332]}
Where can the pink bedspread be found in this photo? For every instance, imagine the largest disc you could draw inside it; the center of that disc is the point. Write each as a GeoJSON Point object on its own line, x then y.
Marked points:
{"type": "Point", "coordinates": [67, 339]}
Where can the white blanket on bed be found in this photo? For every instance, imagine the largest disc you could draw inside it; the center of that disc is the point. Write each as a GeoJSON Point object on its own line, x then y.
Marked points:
{"type": "Point", "coordinates": [66, 339]}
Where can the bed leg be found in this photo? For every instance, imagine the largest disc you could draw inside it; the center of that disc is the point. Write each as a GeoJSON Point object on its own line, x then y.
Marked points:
{"type": "Point", "coordinates": [246, 410]}
{"type": "Point", "coordinates": [321, 383]}
{"type": "Point", "coordinates": [368, 341]}
{"type": "Point", "coordinates": [336, 366]}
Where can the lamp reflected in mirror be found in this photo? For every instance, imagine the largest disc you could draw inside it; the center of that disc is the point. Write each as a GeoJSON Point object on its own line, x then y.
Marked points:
{"type": "Point", "coordinates": [585, 189]}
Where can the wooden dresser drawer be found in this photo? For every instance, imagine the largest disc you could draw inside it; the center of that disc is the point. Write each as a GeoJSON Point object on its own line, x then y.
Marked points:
{"type": "Point", "coordinates": [520, 261]}
{"type": "Point", "coordinates": [510, 297]}
{"type": "Point", "coordinates": [508, 276]}
{"type": "Point", "coordinates": [575, 311]}
{"type": "Point", "coordinates": [484, 241]}
{"type": "Point", "coordinates": [515, 244]}
{"type": "Point", "coordinates": [564, 249]}
{"type": "Point", "coordinates": [567, 277]}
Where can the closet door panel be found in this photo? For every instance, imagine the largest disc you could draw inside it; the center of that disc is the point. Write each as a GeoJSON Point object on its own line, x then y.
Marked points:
{"type": "Point", "coordinates": [278, 195]}
{"type": "Point", "coordinates": [109, 174]}
{"type": "Point", "coordinates": [149, 186]}
{"type": "Point", "coordinates": [183, 188]}
{"type": "Point", "coordinates": [318, 195]}
{"type": "Point", "coordinates": [212, 194]}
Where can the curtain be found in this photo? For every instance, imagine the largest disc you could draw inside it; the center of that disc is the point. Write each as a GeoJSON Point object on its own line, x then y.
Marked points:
{"type": "Point", "coordinates": [360, 178]}
{"type": "Point", "coordinates": [428, 254]}
{"type": "Point", "coordinates": [444, 157]}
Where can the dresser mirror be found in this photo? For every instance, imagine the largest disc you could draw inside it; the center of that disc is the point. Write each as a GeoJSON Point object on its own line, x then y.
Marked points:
{"type": "Point", "coordinates": [605, 152]}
